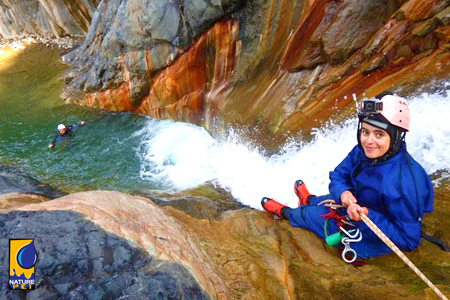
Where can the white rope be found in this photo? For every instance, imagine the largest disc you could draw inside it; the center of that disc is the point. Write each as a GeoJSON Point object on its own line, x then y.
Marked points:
{"type": "Point", "coordinates": [397, 251]}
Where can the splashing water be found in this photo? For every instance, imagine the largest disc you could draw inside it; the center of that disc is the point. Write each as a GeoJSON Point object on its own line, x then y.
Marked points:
{"type": "Point", "coordinates": [132, 153]}
{"type": "Point", "coordinates": [181, 156]}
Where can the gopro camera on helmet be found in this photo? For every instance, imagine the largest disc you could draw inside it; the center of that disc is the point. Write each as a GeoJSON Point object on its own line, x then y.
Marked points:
{"type": "Point", "coordinates": [369, 107]}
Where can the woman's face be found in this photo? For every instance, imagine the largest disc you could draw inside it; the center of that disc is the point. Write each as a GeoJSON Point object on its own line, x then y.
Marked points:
{"type": "Point", "coordinates": [375, 141]}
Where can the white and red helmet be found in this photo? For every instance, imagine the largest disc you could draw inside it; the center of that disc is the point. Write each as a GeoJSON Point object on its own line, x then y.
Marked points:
{"type": "Point", "coordinates": [390, 113]}
{"type": "Point", "coordinates": [392, 107]}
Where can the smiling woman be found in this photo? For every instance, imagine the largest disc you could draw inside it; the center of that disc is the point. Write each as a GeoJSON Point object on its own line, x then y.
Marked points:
{"type": "Point", "coordinates": [374, 141]}
{"type": "Point", "coordinates": [378, 178]}
{"type": "Point", "coordinates": [384, 119]}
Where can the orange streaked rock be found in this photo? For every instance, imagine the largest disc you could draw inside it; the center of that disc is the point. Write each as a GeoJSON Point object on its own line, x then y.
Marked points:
{"type": "Point", "coordinates": [296, 99]}
{"type": "Point", "coordinates": [190, 89]}
{"type": "Point", "coordinates": [187, 90]}
{"type": "Point", "coordinates": [112, 100]}
{"type": "Point", "coordinates": [301, 51]}
{"type": "Point", "coordinates": [416, 10]}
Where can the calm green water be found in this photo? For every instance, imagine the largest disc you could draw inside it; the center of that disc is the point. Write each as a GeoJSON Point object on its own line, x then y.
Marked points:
{"type": "Point", "coordinates": [100, 156]}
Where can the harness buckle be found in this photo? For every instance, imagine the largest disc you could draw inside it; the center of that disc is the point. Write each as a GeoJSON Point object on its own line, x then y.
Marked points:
{"type": "Point", "coordinates": [353, 236]}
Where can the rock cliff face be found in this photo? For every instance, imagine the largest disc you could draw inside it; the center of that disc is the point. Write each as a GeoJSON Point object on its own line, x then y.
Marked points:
{"type": "Point", "coordinates": [117, 245]}
{"type": "Point", "coordinates": [283, 66]}
{"type": "Point", "coordinates": [123, 63]}
{"type": "Point", "coordinates": [47, 18]}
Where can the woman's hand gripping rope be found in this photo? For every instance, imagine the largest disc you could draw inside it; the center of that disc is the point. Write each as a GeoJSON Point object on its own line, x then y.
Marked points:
{"type": "Point", "coordinates": [349, 201]}
{"type": "Point", "coordinates": [354, 211]}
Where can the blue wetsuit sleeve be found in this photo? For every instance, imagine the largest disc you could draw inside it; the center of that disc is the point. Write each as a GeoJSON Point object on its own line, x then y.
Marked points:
{"type": "Point", "coordinates": [404, 234]}
{"type": "Point", "coordinates": [55, 139]}
{"type": "Point", "coordinates": [74, 126]}
{"type": "Point", "coordinates": [340, 178]}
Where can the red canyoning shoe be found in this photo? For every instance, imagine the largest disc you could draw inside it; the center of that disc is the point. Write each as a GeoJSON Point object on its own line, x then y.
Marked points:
{"type": "Point", "coordinates": [302, 192]}
{"type": "Point", "coordinates": [272, 206]}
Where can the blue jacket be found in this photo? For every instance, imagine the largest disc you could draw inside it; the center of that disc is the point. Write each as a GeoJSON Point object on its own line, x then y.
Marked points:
{"type": "Point", "coordinates": [396, 192]}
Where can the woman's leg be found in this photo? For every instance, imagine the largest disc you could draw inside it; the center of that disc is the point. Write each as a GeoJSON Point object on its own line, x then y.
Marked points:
{"type": "Point", "coordinates": [308, 217]}
{"type": "Point", "coordinates": [317, 199]}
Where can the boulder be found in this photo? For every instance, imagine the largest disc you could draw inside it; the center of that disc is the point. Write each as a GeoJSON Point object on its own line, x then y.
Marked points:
{"type": "Point", "coordinates": [110, 244]}
{"type": "Point", "coordinates": [77, 259]}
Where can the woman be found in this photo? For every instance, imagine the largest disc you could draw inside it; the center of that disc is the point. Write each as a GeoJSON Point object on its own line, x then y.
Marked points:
{"type": "Point", "coordinates": [378, 178]}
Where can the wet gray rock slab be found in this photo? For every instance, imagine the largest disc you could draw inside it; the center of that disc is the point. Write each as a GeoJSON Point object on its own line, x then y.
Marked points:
{"type": "Point", "coordinates": [207, 201]}
{"type": "Point", "coordinates": [78, 260]}
{"type": "Point", "coordinates": [14, 180]}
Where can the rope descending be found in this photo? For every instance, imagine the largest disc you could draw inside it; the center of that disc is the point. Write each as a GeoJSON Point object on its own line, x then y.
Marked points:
{"type": "Point", "coordinates": [397, 251]}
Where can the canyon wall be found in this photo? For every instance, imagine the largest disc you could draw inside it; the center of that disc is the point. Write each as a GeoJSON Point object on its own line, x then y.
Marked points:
{"type": "Point", "coordinates": [46, 18]}
{"type": "Point", "coordinates": [282, 67]}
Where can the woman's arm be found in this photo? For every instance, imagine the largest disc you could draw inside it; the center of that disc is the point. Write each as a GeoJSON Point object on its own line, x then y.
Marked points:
{"type": "Point", "coordinates": [340, 178]}
{"type": "Point", "coordinates": [404, 234]}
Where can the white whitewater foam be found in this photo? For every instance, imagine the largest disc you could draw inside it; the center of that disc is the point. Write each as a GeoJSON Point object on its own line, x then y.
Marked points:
{"type": "Point", "coordinates": [179, 156]}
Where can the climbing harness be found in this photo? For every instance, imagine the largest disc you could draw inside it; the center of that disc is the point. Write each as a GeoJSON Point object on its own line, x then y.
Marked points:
{"type": "Point", "coordinates": [354, 235]}
{"type": "Point", "coordinates": [343, 236]}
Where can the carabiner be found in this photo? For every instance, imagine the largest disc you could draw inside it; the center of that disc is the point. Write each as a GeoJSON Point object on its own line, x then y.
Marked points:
{"type": "Point", "coordinates": [348, 251]}
{"type": "Point", "coordinates": [351, 238]}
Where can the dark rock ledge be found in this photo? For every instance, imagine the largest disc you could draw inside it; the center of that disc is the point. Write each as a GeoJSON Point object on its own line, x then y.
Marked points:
{"type": "Point", "coordinates": [79, 260]}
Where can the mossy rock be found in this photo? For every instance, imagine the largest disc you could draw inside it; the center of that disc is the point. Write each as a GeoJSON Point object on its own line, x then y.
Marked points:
{"type": "Point", "coordinates": [207, 201]}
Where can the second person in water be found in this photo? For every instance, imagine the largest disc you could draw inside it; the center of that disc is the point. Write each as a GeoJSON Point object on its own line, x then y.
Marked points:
{"type": "Point", "coordinates": [64, 132]}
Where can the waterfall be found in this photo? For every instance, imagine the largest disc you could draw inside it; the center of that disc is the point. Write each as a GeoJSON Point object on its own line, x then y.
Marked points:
{"type": "Point", "coordinates": [178, 156]}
